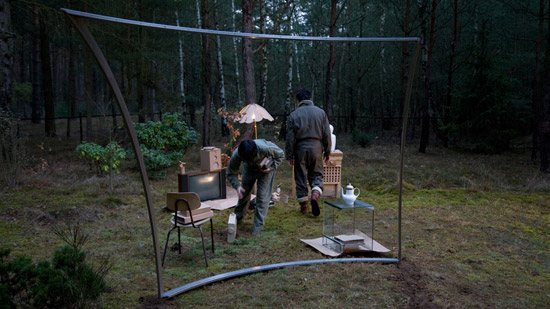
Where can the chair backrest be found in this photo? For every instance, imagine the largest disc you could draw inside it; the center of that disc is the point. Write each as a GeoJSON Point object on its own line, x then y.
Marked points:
{"type": "Point", "coordinates": [191, 197]}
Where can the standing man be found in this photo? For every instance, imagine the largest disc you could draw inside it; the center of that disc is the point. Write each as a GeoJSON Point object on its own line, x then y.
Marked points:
{"type": "Point", "coordinates": [307, 143]}
{"type": "Point", "coordinates": [260, 158]}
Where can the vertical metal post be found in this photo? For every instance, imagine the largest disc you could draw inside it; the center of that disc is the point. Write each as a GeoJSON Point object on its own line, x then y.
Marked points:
{"type": "Point", "coordinates": [88, 37]}
{"type": "Point", "coordinates": [412, 68]}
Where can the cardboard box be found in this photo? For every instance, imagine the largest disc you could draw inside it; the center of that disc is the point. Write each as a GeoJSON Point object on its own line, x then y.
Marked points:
{"type": "Point", "coordinates": [204, 208]}
{"type": "Point", "coordinates": [332, 175]}
{"type": "Point", "coordinates": [185, 220]}
{"type": "Point", "coordinates": [335, 159]}
{"type": "Point", "coordinates": [211, 158]}
{"type": "Point", "coordinates": [332, 190]}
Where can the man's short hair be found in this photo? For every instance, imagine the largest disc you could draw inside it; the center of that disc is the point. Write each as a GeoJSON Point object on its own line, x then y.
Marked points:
{"type": "Point", "coordinates": [303, 94]}
{"type": "Point", "coordinates": [247, 150]}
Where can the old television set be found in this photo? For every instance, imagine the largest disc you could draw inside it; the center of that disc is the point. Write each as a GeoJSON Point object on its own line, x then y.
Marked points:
{"type": "Point", "coordinates": [209, 185]}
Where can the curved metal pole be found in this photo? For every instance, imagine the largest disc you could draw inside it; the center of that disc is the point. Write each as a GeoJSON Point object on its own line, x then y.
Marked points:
{"type": "Point", "coordinates": [412, 69]}
{"type": "Point", "coordinates": [251, 270]}
{"type": "Point", "coordinates": [83, 29]}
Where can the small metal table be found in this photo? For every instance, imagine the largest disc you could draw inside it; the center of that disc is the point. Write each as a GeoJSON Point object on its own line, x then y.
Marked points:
{"type": "Point", "coordinates": [345, 227]}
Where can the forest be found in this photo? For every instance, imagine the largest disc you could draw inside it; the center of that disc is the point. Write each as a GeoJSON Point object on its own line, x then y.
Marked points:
{"type": "Point", "coordinates": [479, 83]}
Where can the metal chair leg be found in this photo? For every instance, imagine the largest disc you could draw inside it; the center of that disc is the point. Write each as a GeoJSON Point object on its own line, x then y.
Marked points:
{"type": "Point", "coordinates": [166, 245]}
{"type": "Point", "coordinates": [179, 241]}
{"type": "Point", "coordinates": [203, 247]}
{"type": "Point", "coordinates": [212, 234]}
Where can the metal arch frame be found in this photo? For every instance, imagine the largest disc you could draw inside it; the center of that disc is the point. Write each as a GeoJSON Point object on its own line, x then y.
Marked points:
{"type": "Point", "coordinates": [77, 18]}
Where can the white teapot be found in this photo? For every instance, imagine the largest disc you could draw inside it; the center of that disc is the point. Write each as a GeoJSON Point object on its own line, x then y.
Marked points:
{"type": "Point", "coordinates": [350, 196]}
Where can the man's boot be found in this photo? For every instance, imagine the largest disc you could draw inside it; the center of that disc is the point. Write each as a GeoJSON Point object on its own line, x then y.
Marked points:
{"type": "Point", "coordinates": [304, 207]}
{"type": "Point", "coordinates": [315, 197]}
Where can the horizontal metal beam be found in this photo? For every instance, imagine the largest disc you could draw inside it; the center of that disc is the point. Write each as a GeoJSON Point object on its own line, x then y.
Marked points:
{"type": "Point", "coordinates": [237, 34]}
{"type": "Point", "coordinates": [247, 271]}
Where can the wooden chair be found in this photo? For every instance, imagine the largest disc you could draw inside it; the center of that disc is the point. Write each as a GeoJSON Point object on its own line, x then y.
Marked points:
{"type": "Point", "coordinates": [187, 212]}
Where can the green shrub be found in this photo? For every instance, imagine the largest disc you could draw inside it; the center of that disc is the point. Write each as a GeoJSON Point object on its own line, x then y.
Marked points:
{"type": "Point", "coordinates": [67, 281]}
{"type": "Point", "coordinates": [102, 158]}
{"type": "Point", "coordinates": [164, 142]}
{"type": "Point", "coordinates": [360, 138]}
{"type": "Point", "coordinates": [17, 277]}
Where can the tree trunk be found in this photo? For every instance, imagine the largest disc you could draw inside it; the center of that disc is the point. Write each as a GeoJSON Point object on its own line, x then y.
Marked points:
{"type": "Point", "coordinates": [236, 56]}
{"type": "Point", "coordinates": [542, 110]}
{"type": "Point", "coordinates": [295, 45]}
{"type": "Point", "coordinates": [538, 80]}
{"type": "Point", "coordinates": [35, 107]}
{"type": "Point", "coordinates": [424, 136]}
{"type": "Point", "coordinates": [405, 55]}
{"type": "Point", "coordinates": [140, 88]}
{"type": "Point", "coordinates": [151, 100]}
{"type": "Point", "coordinates": [6, 56]}
{"type": "Point", "coordinates": [427, 48]}
{"type": "Point", "coordinates": [431, 102]}
{"type": "Point", "coordinates": [356, 89]}
{"type": "Point", "coordinates": [452, 57]}
{"type": "Point", "coordinates": [199, 21]}
{"type": "Point", "coordinates": [71, 89]}
{"type": "Point", "coordinates": [248, 69]}
{"type": "Point", "coordinates": [113, 115]}
{"type": "Point", "coordinates": [223, 103]}
{"type": "Point", "coordinates": [331, 60]}
{"type": "Point", "coordinates": [351, 76]}
{"type": "Point", "coordinates": [71, 80]}
{"type": "Point", "coordinates": [385, 99]}
{"type": "Point", "coordinates": [206, 76]}
{"type": "Point", "coordinates": [181, 77]}
{"type": "Point", "coordinates": [263, 55]}
{"type": "Point", "coordinates": [22, 53]}
{"type": "Point", "coordinates": [47, 79]}
{"type": "Point", "coordinates": [192, 106]}
{"type": "Point", "coordinates": [140, 70]}
{"type": "Point", "coordinates": [88, 75]}
{"type": "Point", "coordinates": [288, 97]}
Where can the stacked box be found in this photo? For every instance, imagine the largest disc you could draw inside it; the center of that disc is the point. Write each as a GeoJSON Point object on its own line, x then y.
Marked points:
{"type": "Point", "coordinates": [211, 158]}
{"type": "Point", "coordinates": [332, 175]}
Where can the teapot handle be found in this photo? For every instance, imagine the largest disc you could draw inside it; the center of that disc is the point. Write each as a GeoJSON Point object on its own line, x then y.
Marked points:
{"type": "Point", "coordinates": [359, 192]}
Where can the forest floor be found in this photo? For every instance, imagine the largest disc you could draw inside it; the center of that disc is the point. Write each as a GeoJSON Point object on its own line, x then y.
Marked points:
{"type": "Point", "coordinates": [475, 233]}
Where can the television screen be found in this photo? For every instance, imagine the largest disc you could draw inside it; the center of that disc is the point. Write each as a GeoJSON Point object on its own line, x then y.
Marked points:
{"type": "Point", "coordinates": [209, 185]}
{"type": "Point", "coordinates": [205, 185]}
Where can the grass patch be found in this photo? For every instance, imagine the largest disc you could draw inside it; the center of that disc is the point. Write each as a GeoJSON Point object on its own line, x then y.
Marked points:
{"type": "Point", "coordinates": [474, 226]}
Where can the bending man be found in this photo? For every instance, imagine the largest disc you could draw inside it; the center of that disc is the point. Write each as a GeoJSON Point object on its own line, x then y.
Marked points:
{"type": "Point", "coordinates": [260, 158]}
